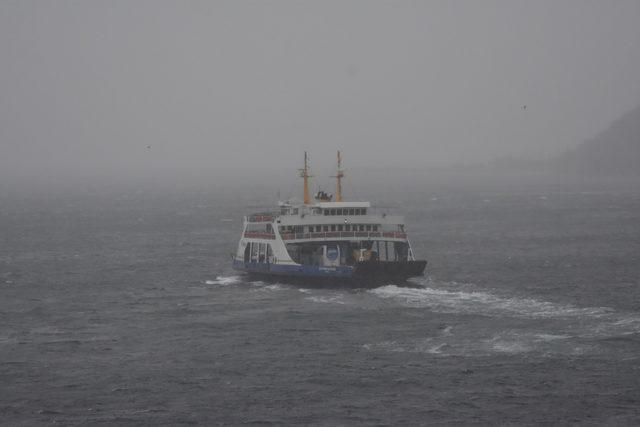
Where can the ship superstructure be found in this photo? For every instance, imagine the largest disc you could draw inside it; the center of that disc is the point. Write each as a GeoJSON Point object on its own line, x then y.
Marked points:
{"type": "Point", "coordinates": [326, 237]}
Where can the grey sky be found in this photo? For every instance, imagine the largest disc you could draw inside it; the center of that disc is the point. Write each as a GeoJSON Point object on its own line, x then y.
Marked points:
{"type": "Point", "coordinates": [215, 87]}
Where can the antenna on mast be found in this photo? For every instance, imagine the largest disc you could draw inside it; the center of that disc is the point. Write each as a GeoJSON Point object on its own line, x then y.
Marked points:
{"type": "Point", "coordinates": [339, 175]}
{"type": "Point", "coordinates": [304, 173]}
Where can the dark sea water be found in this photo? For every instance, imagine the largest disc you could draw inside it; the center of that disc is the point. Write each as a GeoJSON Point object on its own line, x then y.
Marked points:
{"type": "Point", "coordinates": [123, 309]}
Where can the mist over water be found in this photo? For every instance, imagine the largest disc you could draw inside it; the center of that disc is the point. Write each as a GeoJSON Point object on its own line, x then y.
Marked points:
{"type": "Point", "coordinates": [135, 136]}
{"type": "Point", "coordinates": [160, 92]}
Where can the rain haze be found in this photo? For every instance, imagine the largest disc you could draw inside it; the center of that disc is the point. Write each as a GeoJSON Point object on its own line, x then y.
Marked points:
{"type": "Point", "coordinates": [474, 259]}
{"type": "Point", "coordinates": [157, 91]}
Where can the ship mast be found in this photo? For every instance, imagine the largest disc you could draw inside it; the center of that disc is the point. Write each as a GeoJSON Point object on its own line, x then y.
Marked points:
{"type": "Point", "coordinates": [304, 173]}
{"type": "Point", "coordinates": [339, 175]}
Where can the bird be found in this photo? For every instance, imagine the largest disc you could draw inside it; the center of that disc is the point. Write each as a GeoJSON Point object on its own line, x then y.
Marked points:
{"type": "Point", "coordinates": [148, 146]}
{"type": "Point", "coordinates": [524, 107]}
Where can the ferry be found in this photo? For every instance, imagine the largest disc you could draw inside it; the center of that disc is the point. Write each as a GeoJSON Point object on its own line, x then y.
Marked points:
{"type": "Point", "coordinates": [326, 238]}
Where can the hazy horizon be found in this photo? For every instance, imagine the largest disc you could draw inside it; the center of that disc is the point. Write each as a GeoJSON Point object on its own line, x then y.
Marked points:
{"type": "Point", "coordinates": [157, 91]}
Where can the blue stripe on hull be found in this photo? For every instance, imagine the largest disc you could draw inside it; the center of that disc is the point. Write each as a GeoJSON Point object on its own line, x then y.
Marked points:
{"type": "Point", "coordinates": [293, 270]}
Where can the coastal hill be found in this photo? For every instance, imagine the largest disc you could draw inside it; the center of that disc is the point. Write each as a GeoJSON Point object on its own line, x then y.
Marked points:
{"type": "Point", "coordinates": [613, 152]}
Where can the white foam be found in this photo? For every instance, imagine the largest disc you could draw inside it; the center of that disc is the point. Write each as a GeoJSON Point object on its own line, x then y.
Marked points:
{"type": "Point", "coordinates": [223, 280]}
{"type": "Point", "coordinates": [510, 347]}
{"type": "Point", "coordinates": [447, 331]}
{"type": "Point", "coordinates": [551, 337]}
{"type": "Point", "coordinates": [336, 299]}
{"type": "Point", "coordinates": [436, 349]}
{"type": "Point", "coordinates": [482, 303]}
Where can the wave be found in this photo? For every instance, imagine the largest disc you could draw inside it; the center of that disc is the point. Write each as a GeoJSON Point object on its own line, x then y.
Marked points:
{"type": "Point", "coordinates": [223, 280]}
{"type": "Point", "coordinates": [335, 299]}
{"type": "Point", "coordinates": [482, 303]}
{"type": "Point", "coordinates": [551, 328]}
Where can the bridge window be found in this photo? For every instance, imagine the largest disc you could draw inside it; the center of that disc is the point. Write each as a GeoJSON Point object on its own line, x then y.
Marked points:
{"type": "Point", "coordinates": [347, 228]}
{"type": "Point", "coordinates": [339, 227]}
{"type": "Point", "coordinates": [361, 227]}
{"type": "Point", "coordinates": [368, 228]}
{"type": "Point", "coordinates": [375, 228]}
{"type": "Point", "coordinates": [326, 211]}
{"type": "Point", "coordinates": [325, 228]}
{"type": "Point", "coordinates": [333, 212]}
{"type": "Point", "coordinates": [350, 212]}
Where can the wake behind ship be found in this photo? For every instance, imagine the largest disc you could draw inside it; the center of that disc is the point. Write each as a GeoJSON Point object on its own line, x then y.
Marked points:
{"type": "Point", "coordinates": [326, 238]}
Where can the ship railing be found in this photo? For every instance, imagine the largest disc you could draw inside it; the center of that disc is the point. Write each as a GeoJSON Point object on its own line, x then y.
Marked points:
{"type": "Point", "coordinates": [344, 234]}
{"type": "Point", "coordinates": [260, 218]}
{"type": "Point", "coordinates": [259, 235]}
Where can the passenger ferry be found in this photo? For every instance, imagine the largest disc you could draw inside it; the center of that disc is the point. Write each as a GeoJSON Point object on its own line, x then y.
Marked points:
{"type": "Point", "coordinates": [325, 237]}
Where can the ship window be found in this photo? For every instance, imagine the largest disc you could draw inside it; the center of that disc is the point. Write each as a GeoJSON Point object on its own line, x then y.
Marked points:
{"type": "Point", "coordinates": [375, 228]}
{"type": "Point", "coordinates": [333, 212]}
{"type": "Point", "coordinates": [333, 228]}
{"type": "Point", "coordinates": [347, 228]}
{"type": "Point", "coordinates": [326, 211]}
{"type": "Point", "coordinates": [342, 212]}
{"type": "Point", "coordinates": [325, 228]}
{"type": "Point", "coordinates": [368, 228]}
{"type": "Point", "coordinates": [362, 228]}
{"type": "Point", "coordinates": [350, 212]}
{"type": "Point", "coordinates": [364, 211]}
{"type": "Point", "coordinates": [339, 228]}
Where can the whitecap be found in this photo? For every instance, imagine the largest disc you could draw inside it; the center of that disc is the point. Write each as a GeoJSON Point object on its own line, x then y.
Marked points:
{"type": "Point", "coordinates": [336, 299]}
{"type": "Point", "coordinates": [223, 280]}
{"type": "Point", "coordinates": [482, 303]}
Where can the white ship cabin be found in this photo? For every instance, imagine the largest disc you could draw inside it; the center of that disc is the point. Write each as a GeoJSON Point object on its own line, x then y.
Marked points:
{"type": "Point", "coordinates": [306, 232]}
{"type": "Point", "coordinates": [323, 233]}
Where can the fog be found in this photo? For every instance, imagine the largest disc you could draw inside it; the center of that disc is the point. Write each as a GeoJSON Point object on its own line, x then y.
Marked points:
{"type": "Point", "coordinates": [124, 92]}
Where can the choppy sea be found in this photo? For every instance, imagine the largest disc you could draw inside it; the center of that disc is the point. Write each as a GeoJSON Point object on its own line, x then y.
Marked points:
{"type": "Point", "coordinates": [123, 309]}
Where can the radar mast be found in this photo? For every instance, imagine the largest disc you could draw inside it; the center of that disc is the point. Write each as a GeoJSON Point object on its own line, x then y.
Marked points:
{"type": "Point", "coordinates": [339, 175]}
